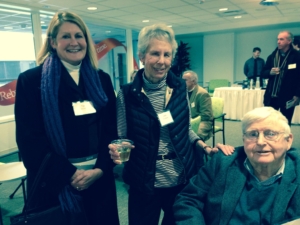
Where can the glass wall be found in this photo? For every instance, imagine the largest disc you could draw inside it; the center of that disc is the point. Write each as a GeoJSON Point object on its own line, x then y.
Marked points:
{"type": "Point", "coordinates": [18, 49]}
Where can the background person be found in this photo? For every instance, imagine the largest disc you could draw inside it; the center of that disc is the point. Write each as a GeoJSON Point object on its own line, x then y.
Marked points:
{"type": "Point", "coordinates": [258, 184]}
{"type": "Point", "coordinates": [283, 71]}
{"type": "Point", "coordinates": [254, 66]}
{"type": "Point", "coordinates": [200, 104]}
{"type": "Point", "coordinates": [153, 112]}
{"type": "Point", "coordinates": [47, 120]}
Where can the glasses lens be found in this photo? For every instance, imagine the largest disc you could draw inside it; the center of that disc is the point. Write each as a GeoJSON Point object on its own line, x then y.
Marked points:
{"type": "Point", "coordinates": [251, 135]}
{"type": "Point", "coordinates": [270, 135]}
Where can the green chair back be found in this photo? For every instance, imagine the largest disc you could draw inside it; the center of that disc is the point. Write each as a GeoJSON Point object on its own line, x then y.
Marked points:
{"type": "Point", "coordinates": [195, 123]}
{"type": "Point", "coordinates": [217, 108]}
{"type": "Point", "coordinates": [217, 83]}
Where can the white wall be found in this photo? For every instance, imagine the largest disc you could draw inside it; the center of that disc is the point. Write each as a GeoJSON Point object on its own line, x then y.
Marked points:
{"type": "Point", "coordinates": [218, 56]}
{"type": "Point", "coordinates": [245, 41]}
{"type": "Point", "coordinates": [223, 54]}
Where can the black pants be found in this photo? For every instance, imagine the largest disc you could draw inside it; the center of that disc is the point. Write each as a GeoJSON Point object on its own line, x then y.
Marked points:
{"type": "Point", "coordinates": [145, 209]}
{"type": "Point", "coordinates": [288, 113]}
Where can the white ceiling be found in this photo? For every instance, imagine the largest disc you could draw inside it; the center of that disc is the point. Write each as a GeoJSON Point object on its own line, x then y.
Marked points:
{"type": "Point", "coordinates": [185, 16]}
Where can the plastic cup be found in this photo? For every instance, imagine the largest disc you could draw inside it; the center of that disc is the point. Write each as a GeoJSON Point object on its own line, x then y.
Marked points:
{"type": "Point", "coordinates": [124, 148]}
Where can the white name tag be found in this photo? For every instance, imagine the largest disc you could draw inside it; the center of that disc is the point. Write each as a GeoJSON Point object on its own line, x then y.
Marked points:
{"type": "Point", "coordinates": [292, 66]}
{"type": "Point", "coordinates": [165, 118]}
{"type": "Point", "coordinates": [83, 108]}
{"type": "Point", "coordinates": [193, 104]}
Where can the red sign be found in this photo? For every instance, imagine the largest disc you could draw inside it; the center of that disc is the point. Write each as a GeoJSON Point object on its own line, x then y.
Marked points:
{"type": "Point", "coordinates": [8, 93]}
{"type": "Point", "coordinates": [108, 44]}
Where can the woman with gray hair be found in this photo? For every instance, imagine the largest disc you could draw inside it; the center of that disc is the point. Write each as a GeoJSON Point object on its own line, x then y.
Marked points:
{"type": "Point", "coordinates": [258, 184]}
{"type": "Point", "coordinates": [153, 111]}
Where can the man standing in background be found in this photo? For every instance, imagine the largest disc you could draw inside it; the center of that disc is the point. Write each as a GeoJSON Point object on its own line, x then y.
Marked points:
{"type": "Point", "coordinates": [253, 67]}
{"type": "Point", "coordinates": [200, 104]}
{"type": "Point", "coordinates": [283, 71]}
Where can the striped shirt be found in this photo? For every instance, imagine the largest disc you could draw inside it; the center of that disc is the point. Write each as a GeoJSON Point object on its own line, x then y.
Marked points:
{"type": "Point", "coordinates": [168, 172]}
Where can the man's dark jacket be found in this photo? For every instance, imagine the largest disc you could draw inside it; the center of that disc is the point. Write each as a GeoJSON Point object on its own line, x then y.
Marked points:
{"type": "Point", "coordinates": [212, 195]}
{"type": "Point", "coordinates": [290, 85]}
{"type": "Point", "coordinates": [143, 127]}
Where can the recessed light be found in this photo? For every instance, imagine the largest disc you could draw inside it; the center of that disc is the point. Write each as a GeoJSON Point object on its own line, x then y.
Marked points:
{"type": "Point", "coordinates": [107, 31]}
{"type": "Point", "coordinates": [92, 8]}
{"type": "Point", "coordinates": [223, 9]}
{"type": "Point", "coordinates": [169, 25]}
{"type": "Point", "coordinates": [269, 2]}
{"type": "Point", "coordinates": [146, 21]}
{"type": "Point", "coordinates": [8, 28]}
{"type": "Point", "coordinates": [237, 17]}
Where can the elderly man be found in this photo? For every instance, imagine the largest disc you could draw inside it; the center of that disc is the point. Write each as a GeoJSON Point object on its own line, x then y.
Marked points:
{"type": "Point", "coordinates": [283, 71]}
{"type": "Point", "coordinates": [200, 104]}
{"type": "Point", "coordinates": [258, 184]}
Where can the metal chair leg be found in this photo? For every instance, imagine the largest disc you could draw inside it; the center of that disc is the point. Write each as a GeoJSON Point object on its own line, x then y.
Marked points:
{"type": "Point", "coordinates": [22, 184]}
{"type": "Point", "coordinates": [1, 219]}
{"type": "Point", "coordinates": [12, 195]}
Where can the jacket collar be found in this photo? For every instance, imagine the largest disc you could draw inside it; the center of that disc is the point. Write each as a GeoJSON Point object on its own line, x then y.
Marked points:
{"type": "Point", "coordinates": [137, 84]}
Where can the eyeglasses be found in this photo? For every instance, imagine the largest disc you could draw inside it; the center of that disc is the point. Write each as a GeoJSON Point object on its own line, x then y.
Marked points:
{"type": "Point", "coordinates": [270, 135]}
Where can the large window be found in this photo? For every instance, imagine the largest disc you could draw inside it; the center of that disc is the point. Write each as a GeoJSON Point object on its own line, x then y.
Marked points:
{"type": "Point", "coordinates": [17, 48]}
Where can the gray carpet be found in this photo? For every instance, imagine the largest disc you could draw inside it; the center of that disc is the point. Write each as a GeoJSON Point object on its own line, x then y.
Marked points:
{"type": "Point", "coordinates": [14, 206]}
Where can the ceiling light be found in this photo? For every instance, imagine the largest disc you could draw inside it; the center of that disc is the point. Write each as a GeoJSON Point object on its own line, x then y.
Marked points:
{"type": "Point", "coordinates": [146, 21]}
{"type": "Point", "coordinates": [269, 2]}
{"type": "Point", "coordinates": [237, 17]}
{"type": "Point", "coordinates": [223, 9]}
{"type": "Point", "coordinates": [8, 28]}
{"type": "Point", "coordinates": [15, 12]}
{"type": "Point", "coordinates": [169, 25]}
{"type": "Point", "coordinates": [108, 31]}
{"type": "Point", "coordinates": [92, 8]}
{"type": "Point", "coordinates": [42, 21]}
{"type": "Point", "coordinates": [14, 7]}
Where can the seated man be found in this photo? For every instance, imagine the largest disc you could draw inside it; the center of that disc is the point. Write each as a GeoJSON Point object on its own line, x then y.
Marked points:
{"type": "Point", "coordinates": [258, 184]}
{"type": "Point", "coordinates": [200, 104]}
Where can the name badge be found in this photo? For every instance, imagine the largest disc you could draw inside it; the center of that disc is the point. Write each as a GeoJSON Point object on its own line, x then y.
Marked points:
{"type": "Point", "coordinates": [292, 66]}
{"type": "Point", "coordinates": [193, 104]}
{"type": "Point", "coordinates": [165, 118]}
{"type": "Point", "coordinates": [83, 108]}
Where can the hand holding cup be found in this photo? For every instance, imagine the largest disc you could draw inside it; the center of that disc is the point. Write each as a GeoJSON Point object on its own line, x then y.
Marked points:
{"type": "Point", "coordinates": [275, 71]}
{"type": "Point", "coordinates": [120, 150]}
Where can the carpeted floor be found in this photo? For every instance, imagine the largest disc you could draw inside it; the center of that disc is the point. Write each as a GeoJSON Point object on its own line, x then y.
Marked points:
{"type": "Point", "coordinates": [10, 207]}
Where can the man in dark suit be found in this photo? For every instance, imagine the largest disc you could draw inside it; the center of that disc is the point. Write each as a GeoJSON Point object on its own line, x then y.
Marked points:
{"type": "Point", "coordinates": [283, 71]}
{"type": "Point", "coordinates": [253, 67]}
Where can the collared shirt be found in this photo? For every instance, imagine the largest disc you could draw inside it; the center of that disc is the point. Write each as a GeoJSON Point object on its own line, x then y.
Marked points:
{"type": "Point", "coordinates": [269, 181]}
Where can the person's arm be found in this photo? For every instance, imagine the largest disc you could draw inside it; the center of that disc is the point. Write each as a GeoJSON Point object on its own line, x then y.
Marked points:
{"type": "Point", "coordinates": [267, 68]}
{"type": "Point", "coordinates": [203, 104]}
{"type": "Point", "coordinates": [122, 126]}
{"type": "Point", "coordinates": [108, 128]}
{"type": "Point", "coordinates": [201, 145]}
